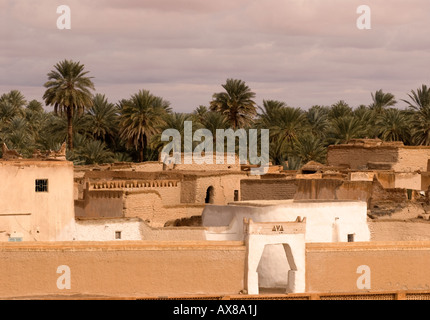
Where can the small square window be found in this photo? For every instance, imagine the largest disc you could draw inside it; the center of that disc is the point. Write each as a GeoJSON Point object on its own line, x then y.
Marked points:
{"type": "Point", "coordinates": [118, 235]}
{"type": "Point", "coordinates": [41, 185]}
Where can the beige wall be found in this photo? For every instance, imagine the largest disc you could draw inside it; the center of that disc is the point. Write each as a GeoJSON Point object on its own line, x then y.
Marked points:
{"type": "Point", "coordinates": [399, 230]}
{"type": "Point", "coordinates": [357, 157]}
{"type": "Point", "coordinates": [393, 266]}
{"type": "Point", "coordinates": [139, 269]}
{"type": "Point", "coordinates": [276, 189]}
{"type": "Point", "coordinates": [319, 189]}
{"type": "Point", "coordinates": [123, 269]}
{"type": "Point", "coordinates": [402, 159]}
{"type": "Point", "coordinates": [45, 216]}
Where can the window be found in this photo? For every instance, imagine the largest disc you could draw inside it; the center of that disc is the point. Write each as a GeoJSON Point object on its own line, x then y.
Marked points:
{"type": "Point", "coordinates": [42, 185]}
{"type": "Point", "coordinates": [117, 235]}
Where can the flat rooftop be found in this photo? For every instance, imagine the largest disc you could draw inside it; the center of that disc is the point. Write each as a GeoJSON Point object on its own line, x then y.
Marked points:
{"type": "Point", "coordinates": [271, 203]}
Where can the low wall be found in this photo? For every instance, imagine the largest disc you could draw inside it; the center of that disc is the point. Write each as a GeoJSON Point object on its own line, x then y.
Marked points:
{"type": "Point", "coordinates": [319, 189]}
{"type": "Point", "coordinates": [399, 230]}
{"type": "Point", "coordinates": [392, 266]}
{"type": "Point", "coordinates": [116, 269]}
{"type": "Point", "coordinates": [267, 189]}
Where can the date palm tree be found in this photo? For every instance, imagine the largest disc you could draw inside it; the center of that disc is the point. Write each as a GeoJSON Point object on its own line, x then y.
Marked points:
{"type": "Point", "coordinates": [68, 90]}
{"type": "Point", "coordinates": [382, 100]}
{"type": "Point", "coordinates": [309, 148]}
{"type": "Point", "coordinates": [102, 118]}
{"type": "Point", "coordinates": [344, 129]}
{"type": "Point", "coordinates": [394, 125]}
{"type": "Point", "coordinates": [236, 103]}
{"type": "Point", "coordinates": [141, 117]}
{"type": "Point", "coordinates": [420, 108]}
{"type": "Point", "coordinates": [15, 98]}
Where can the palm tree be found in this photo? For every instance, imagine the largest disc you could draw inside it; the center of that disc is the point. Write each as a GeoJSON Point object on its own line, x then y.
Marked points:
{"type": "Point", "coordinates": [15, 98]}
{"type": "Point", "coordinates": [309, 148]}
{"type": "Point", "coordinates": [68, 90]}
{"type": "Point", "coordinates": [141, 118]}
{"type": "Point", "coordinates": [236, 103]}
{"type": "Point", "coordinates": [344, 129]}
{"type": "Point", "coordinates": [317, 118]}
{"type": "Point", "coordinates": [174, 121]}
{"type": "Point", "coordinates": [382, 100]}
{"type": "Point", "coordinates": [17, 135]}
{"type": "Point", "coordinates": [339, 109]}
{"type": "Point", "coordinates": [394, 125]}
{"type": "Point", "coordinates": [102, 118]}
{"type": "Point", "coordinates": [199, 114]}
{"type": "Point", "coordinates": [35, 106]}
{"type": "Point", "coordinates": [93, 152]}
{"type": "Point", "coordinates": [269, 112]}
{"type": "Point", "coordinates": [287, 124]}
{"type": "Point", "coordinates": [420, 98]}
{"type": "Point", "coordinates": [420, 108]}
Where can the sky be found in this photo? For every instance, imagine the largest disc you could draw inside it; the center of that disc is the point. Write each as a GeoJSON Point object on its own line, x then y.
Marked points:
{"type": "Point", "coordinates": [301, 52]}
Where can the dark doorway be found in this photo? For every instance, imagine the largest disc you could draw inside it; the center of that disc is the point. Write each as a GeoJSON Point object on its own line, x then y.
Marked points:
{"type": "Point", "coordinates": [210, 195]}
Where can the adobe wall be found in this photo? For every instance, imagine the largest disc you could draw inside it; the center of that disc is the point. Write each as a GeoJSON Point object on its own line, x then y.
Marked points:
{"type": "Point", "coordinates": [399, 230]}
{"type": "Point", "coordinates": [319, 189]}
{"type": "Point", "coordinates": [125, 269]}
{"type": "Point", "coordinates": [226, 166]}
{"type": "Point", "coordinates": [99, 204]}
{"type": "Point", "coordinates": [38, 216]}
{"type": "Point", "coordinates": [393, 266]}
{"type": "Point", "coordinates": [148, 206]}
{"type": "Point", "coordinates": [397, 158]}
{"type": "Point", "coordinates": [224, 188]}
{"type": "Point", "coordinates": [273, 189]}
{"type": "Point", "coordinates": [358, 157]}
{"type": "Point", "coordinates": [412, 159]}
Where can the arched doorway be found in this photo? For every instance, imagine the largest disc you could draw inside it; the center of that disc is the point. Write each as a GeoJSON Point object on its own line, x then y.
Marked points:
{"type": "Point", "coordinates": [274, 268]}
{"type": "Point", "coordinates": [210, 195]}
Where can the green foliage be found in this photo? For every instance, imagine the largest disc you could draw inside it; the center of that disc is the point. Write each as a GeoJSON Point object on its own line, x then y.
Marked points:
{"type": "Point", "coordinates": [236, 103]}
{"type": "Point", "coordinates": [130, 130]}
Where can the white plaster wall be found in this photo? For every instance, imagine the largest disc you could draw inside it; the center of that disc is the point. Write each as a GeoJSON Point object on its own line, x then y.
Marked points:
{"type": "Point", "coordinates": [51, 214]}
{"type": "Point", "coordinates": [320, 218]}
{"type": "Point", "coordinates": [104, 230]}
{"type": "Point", "coordinates": [277, 273]}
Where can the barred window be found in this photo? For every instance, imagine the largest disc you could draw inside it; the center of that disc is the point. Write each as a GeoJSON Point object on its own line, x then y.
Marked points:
{"type": "Point", "coordinates": [41, 185]}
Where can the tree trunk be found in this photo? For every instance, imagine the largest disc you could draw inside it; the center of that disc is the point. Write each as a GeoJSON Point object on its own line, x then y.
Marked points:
{"type": "Point", "coordinates": [70, 128]}
{"type": "Point", "coordinates": [143, 149]}
{"type": "Point", "coordinates": [141, 154]}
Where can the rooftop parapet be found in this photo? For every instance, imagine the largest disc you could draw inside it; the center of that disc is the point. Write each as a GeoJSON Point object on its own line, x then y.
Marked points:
{"type": "Point", "coordinates": [271, 228]}
{"type": "Point", "coordinates": [132, 184]}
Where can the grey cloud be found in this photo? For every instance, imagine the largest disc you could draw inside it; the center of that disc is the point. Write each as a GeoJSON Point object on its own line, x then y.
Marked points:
{"type": "Point", "coordinates": [303, 52]}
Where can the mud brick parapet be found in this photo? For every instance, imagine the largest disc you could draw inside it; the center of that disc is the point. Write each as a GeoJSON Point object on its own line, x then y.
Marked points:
{"type": "Point", "coordinates": [127, 184]}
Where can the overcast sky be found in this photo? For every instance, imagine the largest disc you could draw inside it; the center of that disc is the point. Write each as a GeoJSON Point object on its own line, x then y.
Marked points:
{"type": "Point", "coordinates": [302, 52]}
